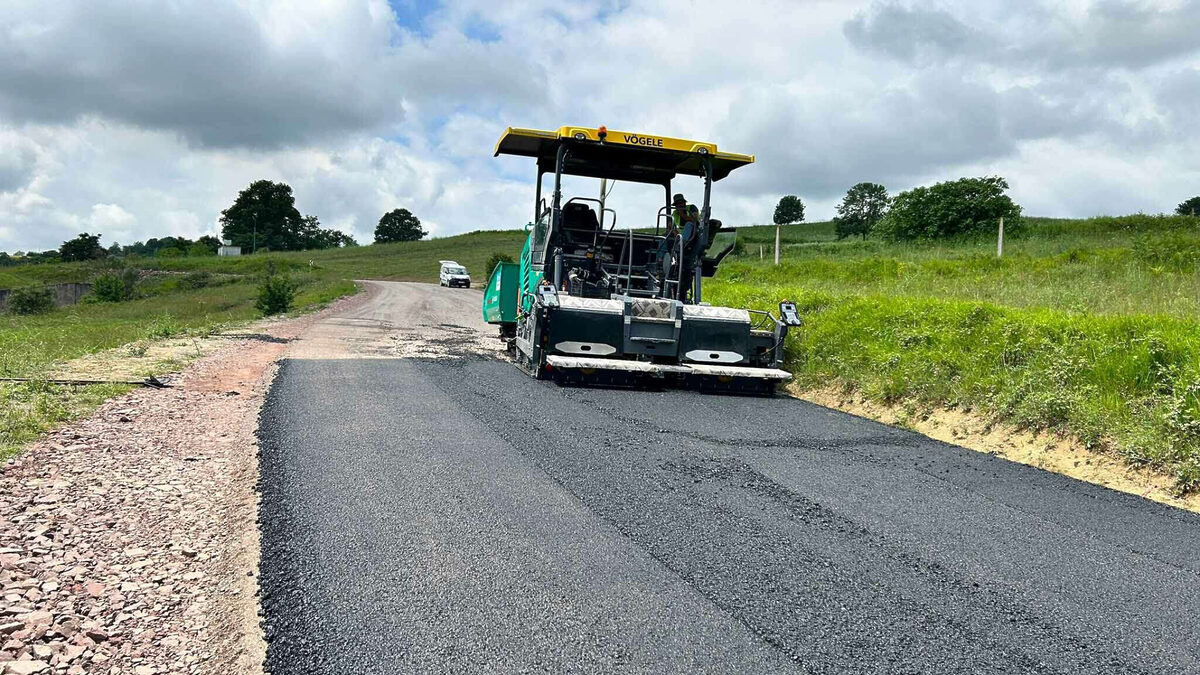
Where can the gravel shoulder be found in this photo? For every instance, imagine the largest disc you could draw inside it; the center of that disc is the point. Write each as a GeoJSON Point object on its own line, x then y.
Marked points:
{"type": "Point", "coordinates": [127, 539]}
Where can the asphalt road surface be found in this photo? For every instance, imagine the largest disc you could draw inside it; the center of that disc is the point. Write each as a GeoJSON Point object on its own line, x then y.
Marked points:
{"type": "Point", "coordinates": [453, 515]}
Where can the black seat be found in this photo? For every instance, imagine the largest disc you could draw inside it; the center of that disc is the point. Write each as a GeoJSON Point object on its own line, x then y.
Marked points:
{"type": "Point", "coordinates": [579, 216]}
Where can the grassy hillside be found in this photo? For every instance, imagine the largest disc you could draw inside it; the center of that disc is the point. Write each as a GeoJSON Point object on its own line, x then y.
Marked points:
{"type": "Point", "coordinates": [1089, 327]}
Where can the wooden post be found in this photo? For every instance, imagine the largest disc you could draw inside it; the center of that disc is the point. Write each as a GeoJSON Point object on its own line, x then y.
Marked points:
{"type": "Point", "coordinates": [777, 244]}
{"type": "Point", "coordinates": [1000, 240]}
{"type": "Point", "coordinates": [760, 251]}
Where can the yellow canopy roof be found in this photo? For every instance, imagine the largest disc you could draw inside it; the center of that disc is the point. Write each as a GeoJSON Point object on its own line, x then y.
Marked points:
{"type": "Point", "coordinates": [619, 155]}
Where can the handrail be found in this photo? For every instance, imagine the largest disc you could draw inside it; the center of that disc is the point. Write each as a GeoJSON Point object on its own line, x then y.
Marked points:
{"type": "Point", "coordinates": [629, 266]}
{"type": "Point", "coordinates": [679, 281]}
{"type": "Point", "coordinates": [660, 216]}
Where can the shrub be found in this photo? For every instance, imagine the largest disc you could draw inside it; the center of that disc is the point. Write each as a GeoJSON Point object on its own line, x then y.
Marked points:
{"type": "Point", "coordinates": [195, 280]}
{"type": "Point", "coordinates": [496, 259]}
{"type": "Point", "coordinates": [114, 287]}
{"type": "Point", "coordinates": [963, 206]}
{"type": "Point", "coordinates": [31, 300]}
{"type": "Point", "coordinates": [276, 293]}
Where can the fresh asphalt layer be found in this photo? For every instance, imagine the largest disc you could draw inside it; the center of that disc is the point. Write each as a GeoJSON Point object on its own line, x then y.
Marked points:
{"type": "Point", "coordinates": [458, 516]}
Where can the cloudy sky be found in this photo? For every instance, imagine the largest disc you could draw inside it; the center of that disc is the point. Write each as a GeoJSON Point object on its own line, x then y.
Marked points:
{"type": "Point", "coordinates": [145, 117]}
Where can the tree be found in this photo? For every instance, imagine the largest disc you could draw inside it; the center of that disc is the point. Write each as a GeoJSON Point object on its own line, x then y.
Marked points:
{"type": "Point", "coordinates": [199, 250]}
{"type": "Point", "coordinates": [313, 236]}
{"type": "Point", "coordinates": [789, 210]}
{"type": "Point", "coordinates": [1189, 208]}
{"type": "Point", "coordinates": [398, 225]}
{"type": "Point", "coordinates": [211, 242]}
{"type": "Point", "coordinates": [963, 206]}
{"type": "Point", "coordinates": [84, 247]}
{"type": "Point", "coordinates": [862, 207]}
{"type": "Point", "coordinates": [264, 215]}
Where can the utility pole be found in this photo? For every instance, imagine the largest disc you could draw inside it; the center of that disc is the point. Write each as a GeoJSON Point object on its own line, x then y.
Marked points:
{"type": "Point", "coordinates": [777, 226]}
{"type": "Point", "coordinates": [1000, 240]}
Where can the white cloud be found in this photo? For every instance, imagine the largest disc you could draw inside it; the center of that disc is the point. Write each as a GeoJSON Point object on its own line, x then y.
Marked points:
{"type": "Point", "coordinates": [159, 113]}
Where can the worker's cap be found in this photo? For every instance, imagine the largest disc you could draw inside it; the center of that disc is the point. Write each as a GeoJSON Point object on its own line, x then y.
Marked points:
{"type": "Point", "coordinates": [679, 199]}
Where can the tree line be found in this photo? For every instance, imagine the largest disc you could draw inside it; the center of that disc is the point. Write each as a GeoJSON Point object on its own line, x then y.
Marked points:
{"type": "Point", "coordinates": [950, 208]}
{"type": "Point", "coordinates": [947, 209]}
{"type": "Point", "coordinates": [262, 218]}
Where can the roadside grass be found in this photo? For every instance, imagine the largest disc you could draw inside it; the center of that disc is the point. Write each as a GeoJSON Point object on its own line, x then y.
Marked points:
{"type": "Point", "coordinates": [29, 409]}
{"type": "Point", "coordinates": [1088, 328]}
{"type": "Point", "coordinates": [31, 346]}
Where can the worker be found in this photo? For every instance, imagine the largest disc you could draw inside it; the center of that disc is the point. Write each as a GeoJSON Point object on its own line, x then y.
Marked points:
{"type": "Point", "coordinates": [684, 223]}
{"type": "Point", "coordinates": [686, 218]}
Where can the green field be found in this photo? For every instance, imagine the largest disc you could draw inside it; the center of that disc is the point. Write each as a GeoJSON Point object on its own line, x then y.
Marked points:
{"type": "Point", "coordinates": [29, 345]}
{"type": "Point", "coordinates": [1087, 327]}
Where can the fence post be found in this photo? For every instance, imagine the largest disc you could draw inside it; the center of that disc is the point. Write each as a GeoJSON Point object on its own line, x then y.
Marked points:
{"type": "Point", "coordinates": [1000, 240]}
{"type": "Point", "coordinates": [777, 244]}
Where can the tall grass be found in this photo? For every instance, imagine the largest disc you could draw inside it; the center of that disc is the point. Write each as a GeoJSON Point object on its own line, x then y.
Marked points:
{"type": "Point", "coordinates": [1086, 327]}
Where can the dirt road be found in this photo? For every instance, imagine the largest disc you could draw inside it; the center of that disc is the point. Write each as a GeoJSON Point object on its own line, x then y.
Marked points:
{"type": "Point", "coordinates": [449, 514]}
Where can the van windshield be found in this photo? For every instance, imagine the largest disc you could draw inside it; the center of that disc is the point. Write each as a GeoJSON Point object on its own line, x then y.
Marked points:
{"type": "Point", "coordinates": [456, 270]}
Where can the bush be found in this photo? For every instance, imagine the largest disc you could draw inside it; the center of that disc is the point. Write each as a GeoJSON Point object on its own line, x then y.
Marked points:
{"type": "Point", "coordinates": [114, 287]}
{"type": "Point", "coordinates": [196, 280]}
{"type": "Point", "coordinates": [963, 206]}
{"type": "Point", "coordinates": [496, 259]}
{"type": "Point", "coordinates": [31, 300]}
{"type": "Point", "coordinates": [276, 293]}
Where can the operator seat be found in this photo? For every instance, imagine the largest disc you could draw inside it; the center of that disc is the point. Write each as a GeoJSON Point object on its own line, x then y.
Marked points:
{"type": "Point", "coordinates": [579, 216]}
{"type": "Point", "coordinates": [579, 224]}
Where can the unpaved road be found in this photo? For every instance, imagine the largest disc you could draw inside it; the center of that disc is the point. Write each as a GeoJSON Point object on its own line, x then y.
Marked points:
{"type": "Point", "coordinates": [452, 515]}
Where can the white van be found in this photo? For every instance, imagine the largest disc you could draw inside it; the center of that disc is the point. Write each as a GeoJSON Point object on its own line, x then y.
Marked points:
{"type": "Point", "coordinates": [453, 274]}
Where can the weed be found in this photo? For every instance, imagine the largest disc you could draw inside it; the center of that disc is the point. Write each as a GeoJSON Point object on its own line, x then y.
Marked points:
{"type": "Point", "coordinates": [162, 327]}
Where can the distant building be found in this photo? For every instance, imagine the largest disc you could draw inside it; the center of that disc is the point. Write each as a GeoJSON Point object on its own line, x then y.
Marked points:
{"type": "Point", "coordinates": [226, 250]}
